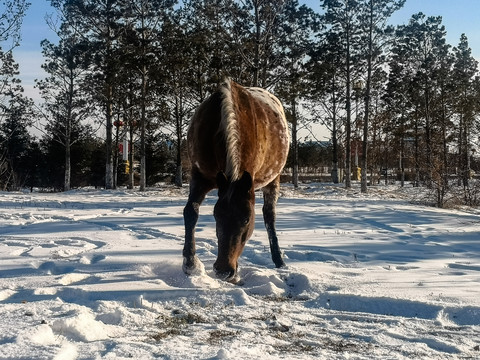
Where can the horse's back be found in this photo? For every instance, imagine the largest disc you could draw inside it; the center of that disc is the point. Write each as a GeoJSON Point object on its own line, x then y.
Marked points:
{"type": "Point", "coordinates": [271, 140]}
{"type": "Point", "coordinates": [239, 129]}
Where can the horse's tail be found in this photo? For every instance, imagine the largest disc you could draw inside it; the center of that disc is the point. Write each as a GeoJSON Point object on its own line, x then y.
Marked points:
{"type": "Point", "coordinates": [230, 129]}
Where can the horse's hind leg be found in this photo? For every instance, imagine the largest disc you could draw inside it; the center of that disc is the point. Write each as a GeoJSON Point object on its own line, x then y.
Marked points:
{"type": "Point", "coordinates": [199, 187]}
{"type": "Point", "coordinates": [270, 196]}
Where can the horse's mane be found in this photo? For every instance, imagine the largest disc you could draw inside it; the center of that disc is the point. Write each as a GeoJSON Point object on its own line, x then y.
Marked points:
{"type": "Point", "coordinates": [229, 126]}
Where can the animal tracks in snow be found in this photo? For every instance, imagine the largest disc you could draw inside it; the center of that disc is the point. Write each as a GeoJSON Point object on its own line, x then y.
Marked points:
{"type": "Point", "coordinates": [99, 275]}
{"type": "Point", "coordinates": [73, 278]}
{"type": "Point", "coordinates": [471, 267]}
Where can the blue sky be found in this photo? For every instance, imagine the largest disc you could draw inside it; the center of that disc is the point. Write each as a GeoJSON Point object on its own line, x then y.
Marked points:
{"type": "Point", "coordinates": [459, 16]}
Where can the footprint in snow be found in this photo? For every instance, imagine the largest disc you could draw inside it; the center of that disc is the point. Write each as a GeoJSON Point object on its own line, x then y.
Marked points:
{"type": "Point", "coordinates": [90, 260]}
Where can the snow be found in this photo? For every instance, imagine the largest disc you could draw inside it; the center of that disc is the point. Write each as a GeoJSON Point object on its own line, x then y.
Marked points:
{"type": "Point", "coordinates": [93, 274]}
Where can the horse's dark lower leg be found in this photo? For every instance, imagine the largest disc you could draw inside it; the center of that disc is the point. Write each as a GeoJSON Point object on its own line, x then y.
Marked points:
{"type": "Point", "coordinates": [270, 196]}
{"type": "Point", "coordinates": [190, 216]}
{"type": "Point", "coordinates": [198, 190]}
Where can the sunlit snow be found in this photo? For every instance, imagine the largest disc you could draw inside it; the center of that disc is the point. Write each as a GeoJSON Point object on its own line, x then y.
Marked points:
{"type": "Point", "coordinates": [92, 274]}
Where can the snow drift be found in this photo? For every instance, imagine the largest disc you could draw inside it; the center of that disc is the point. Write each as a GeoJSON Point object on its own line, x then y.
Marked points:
{"type": "Point", "coordinates": [97, 274]}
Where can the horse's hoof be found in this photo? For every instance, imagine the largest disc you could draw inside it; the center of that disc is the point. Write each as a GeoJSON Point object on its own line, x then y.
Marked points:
{"type": "Point", "coordinates": [193, 266]}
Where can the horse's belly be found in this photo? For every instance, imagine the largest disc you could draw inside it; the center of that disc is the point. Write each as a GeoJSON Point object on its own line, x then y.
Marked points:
{"type": "Point", "coordinates": [271, 157]}
{"type": "Point", "coordinates": [262, 180]}
{"type": "Point", "coordinates": [269, 169]}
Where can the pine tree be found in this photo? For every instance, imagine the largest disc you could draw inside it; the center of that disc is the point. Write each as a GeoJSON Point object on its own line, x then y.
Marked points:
{"type": "Point", "coordinates": [298, 24]}
{"type": "Point", "coordinates": [99, 24]}
{"type": "Point", "coordinates": [66, 104]}
{"type": "Point", "coordinates": [15, 140]}
{"type": "Point", "coordinates": [422, 48]}
{"type": "Point", "coordinates": [464, 70]}
{"type": "Point", "coordinates": [177, 91]}
{"type": "Point", "coordinates": [326, 92]}
{"type": "Point", "coordinates": [11, 19]}
{"type": "Point", "coordinates": [257, 30]}
{"type": "Point", "coordinates": [373, 21]}
{"type": "Point", "coordinates": [146, 18]}
{"type": "Point", "coordinates": [342, 16]}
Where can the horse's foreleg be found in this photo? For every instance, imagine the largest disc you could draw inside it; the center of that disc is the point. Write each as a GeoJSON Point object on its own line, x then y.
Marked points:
{"type": "Point", "coordinates": [198, 190]}
{"type": "Point", "coordinates": [270, 196]}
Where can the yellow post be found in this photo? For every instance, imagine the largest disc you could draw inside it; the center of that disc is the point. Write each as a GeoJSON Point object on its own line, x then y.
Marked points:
{"type": "Point", "coordinates": [358, 173]}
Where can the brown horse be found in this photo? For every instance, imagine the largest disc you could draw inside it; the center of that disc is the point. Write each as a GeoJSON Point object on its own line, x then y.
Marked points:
{"type": "Point", "coordinates": [238, 142]}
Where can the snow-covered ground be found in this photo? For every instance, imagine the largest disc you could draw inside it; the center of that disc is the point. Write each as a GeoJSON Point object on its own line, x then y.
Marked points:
{"type": "Point", "coordinates": [97, 275]}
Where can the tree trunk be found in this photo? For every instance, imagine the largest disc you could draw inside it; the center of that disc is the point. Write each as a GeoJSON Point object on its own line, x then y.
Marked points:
{"type": "Point", "coordinates": [131, 177]}
{"type": "Point", "coordinates": [334, 154]}
{"type": "Point", "coordinates": [68, 135]}
{"type": "Point", "coordinates": [428, 136]}
{"type": "Point", "coordinates": [348, 108]}
{"type": "Point", "coordinates": [256, 60]}
{"type": "Point", "coordinates": [363, 182]}
{"type": "Point", "coordinates": [143, 120]}
{"type": "Point", "coordinates": [335, 178]}
{"type": "Point", "coordinates": [116, 152]}
{"type": "Point", "coordinates": [402, 160]}
{"type": "Point", "coordinates": [179, 168]}
{"type": "Point", "coordinates": [417, 151]}
{"type": "Point", "coordinates": [294, 146]}
{"type": "Point", "coordinates": [68, 170]}
{"type": "Point", "coordinates": [109, 140]}
{"type": "Point", "coordinates": [179, 125]}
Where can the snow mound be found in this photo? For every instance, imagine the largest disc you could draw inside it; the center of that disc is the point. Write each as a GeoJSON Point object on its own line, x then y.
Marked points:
{"type": "Point", "coordinates": [82, 326]}
{"type": "Point", "coordinates": [6, 293]}
{"type": "Point", "coordinates": [73, 278]}
{"type": "Point", "coordinates": [98, 275]}
{"type": "Point", "coordinates": [40, 335]}
{"type": "Point", "coordinates": [68, 351]}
